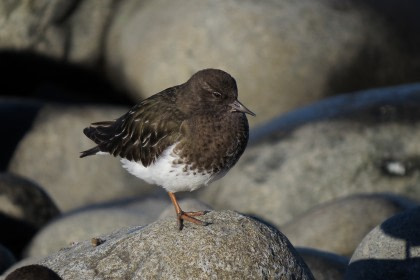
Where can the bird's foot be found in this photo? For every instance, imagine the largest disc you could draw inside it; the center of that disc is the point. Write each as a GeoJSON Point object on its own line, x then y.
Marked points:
{"type": "Point", "coordinates": [189, 216]}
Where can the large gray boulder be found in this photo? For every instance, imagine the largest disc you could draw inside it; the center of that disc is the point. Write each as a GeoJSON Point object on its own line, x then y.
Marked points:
{"type": "Point", "coordinates": [315, 155]}
{"type": "Point", "coordinates": [288, 53]}
{"type": "Point", "coordinates": [49, 155]}
{"type": "Point", "coordinates": [340, 225]}
{"type": "Point", "coordinates": [233, 246]}
{"type": "Point", "coordinates": [390, 251]}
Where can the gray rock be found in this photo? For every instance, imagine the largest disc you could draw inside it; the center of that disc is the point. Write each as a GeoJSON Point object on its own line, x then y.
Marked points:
{"type": "Point", "coordinates": [6, 259]}
{"type": "Point", "coordinates": [188, 205]}
{"type": "Point", "coordinates": [49, 155]}
{"type": "Point", "coordinates": [389, 251]}
{"type": "Point", "coordinates": [285, 175]}
{"type": "Point", "coordinates": [233, 246]}
{"type": "Point", "coordinates": [91, 222]}
{"type": "Point", "coordinates": [86, 28]}
{"type": "Point", "coordinates": [27, 25]}
{"type": "Point", "coordinates": [340, 225]}
{"type": "Point", "coordinates": [24, 200]}
{"type": "Point", "coordinates": [272, 48]}
{"type": "Point", "coordinates": [324, 265]}
{"type": "Point", "coordinates": [64, 29]}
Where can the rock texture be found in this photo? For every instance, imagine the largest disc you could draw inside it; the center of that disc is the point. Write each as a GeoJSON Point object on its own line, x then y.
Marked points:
{"type": "Point", "coordinates": [56, 141]}
{"type": "Point", "coordinates": [286, 174]}
{"type": "Point", "coordinates": [324, 265]}
{"type": "Point", "coordinates": [93, 222]}
{"type": "Point", "coordinates": [390, 251]}
{"type": "Point", "coordinates": [233, 246]}
{"type": "Point", "coordinates": [64, 29]}
{"type": "Point", "coordinates": [340, 225]}
{"type": "Point", "coordinates": [26, 25]}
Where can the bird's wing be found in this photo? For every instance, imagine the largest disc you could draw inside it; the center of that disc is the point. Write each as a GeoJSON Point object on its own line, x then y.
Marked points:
{"type": "Point", "coordinates": [141, 134]}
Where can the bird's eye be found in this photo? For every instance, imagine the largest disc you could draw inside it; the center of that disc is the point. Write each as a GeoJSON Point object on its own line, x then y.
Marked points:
{"type": "Point", "coordinates": [217, 94]}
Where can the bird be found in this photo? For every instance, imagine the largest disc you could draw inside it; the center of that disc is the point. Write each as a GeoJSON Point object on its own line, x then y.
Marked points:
{"type": "Point", "coordinates": [182, 138]}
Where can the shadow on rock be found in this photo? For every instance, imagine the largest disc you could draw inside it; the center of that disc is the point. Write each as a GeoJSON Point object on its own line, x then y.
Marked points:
{"type": "Point", "coordinates": [408, 229]}
{"type": "Point", "coordinates": [15, 234]}
{"type": "Point", "coordinates": [26, 74]}
{"type": "Point", "coordinates": [384, 269]}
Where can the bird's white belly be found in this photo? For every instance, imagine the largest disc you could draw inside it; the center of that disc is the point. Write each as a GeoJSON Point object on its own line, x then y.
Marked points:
{"type": "Point", "coordinates": [165, 173]}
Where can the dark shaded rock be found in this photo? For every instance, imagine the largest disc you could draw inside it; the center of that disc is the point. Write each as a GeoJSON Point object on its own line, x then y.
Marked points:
{"type": "Point", "coordinates": [19, 264]}
{"type": "Point", "coordinates": [324, 265]}
{"type": "Point", "coordinates": [24, 200]}
{"type": "Point", "coordinates": [16, 117]}
{"type": "Point", "coordinates": [6, 259]}
{"type": "Point", "coordinates": [389, 251]}
{"type": "Point", "coordinates": [24, 209]}
{"type": "Point", "coordinates": [33, 272]}
{"type": "Point", "coordinates": [39, 78]}
{"type": "Point", "coordinates": [233, 246]}
{"type": "Point", "coordinates": [340, 225]}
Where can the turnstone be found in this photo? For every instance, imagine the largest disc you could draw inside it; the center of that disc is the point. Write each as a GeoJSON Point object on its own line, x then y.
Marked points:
{"type": "Point", "coordinates": [181, 138]}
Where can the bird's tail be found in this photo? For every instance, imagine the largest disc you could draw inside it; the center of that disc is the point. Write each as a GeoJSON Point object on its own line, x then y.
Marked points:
{"type": "Point", "coordinates": [95, 133]}
{"type": "Point", "coordinates": [90, 152]}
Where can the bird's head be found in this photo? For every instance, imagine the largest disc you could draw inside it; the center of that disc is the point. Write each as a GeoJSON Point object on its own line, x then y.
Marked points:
{"type": "Point", "coordinates": [211, 88]}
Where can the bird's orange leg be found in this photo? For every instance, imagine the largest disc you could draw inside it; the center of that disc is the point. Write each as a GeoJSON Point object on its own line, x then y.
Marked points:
{"type": "Point", "coordinates": [186, 216]}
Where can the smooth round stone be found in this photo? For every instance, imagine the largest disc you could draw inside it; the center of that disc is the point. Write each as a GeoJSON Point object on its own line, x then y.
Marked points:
{"type": "Point", "coordinates": [49, 155]}
{"type": "Point", "coordinates": [390, 251]}
{"type": "Point", "coordinates": [288, 53]}
{"type": "Point", "coordinates": [283, 176]}
{"type": "Point", "coordinates": [340, 225]}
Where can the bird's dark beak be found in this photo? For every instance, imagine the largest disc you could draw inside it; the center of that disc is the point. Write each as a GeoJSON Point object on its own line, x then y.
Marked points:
{"type": "Point", "coordinates": [238, 107]}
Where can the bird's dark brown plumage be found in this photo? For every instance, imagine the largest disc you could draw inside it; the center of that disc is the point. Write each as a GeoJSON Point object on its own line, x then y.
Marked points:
{"type": "Point", "coordinates": [201, 121]}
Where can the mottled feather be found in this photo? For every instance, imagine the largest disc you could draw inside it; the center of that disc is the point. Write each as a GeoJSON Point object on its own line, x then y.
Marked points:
{"type": "Point", "coordinates": [140, 135]}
